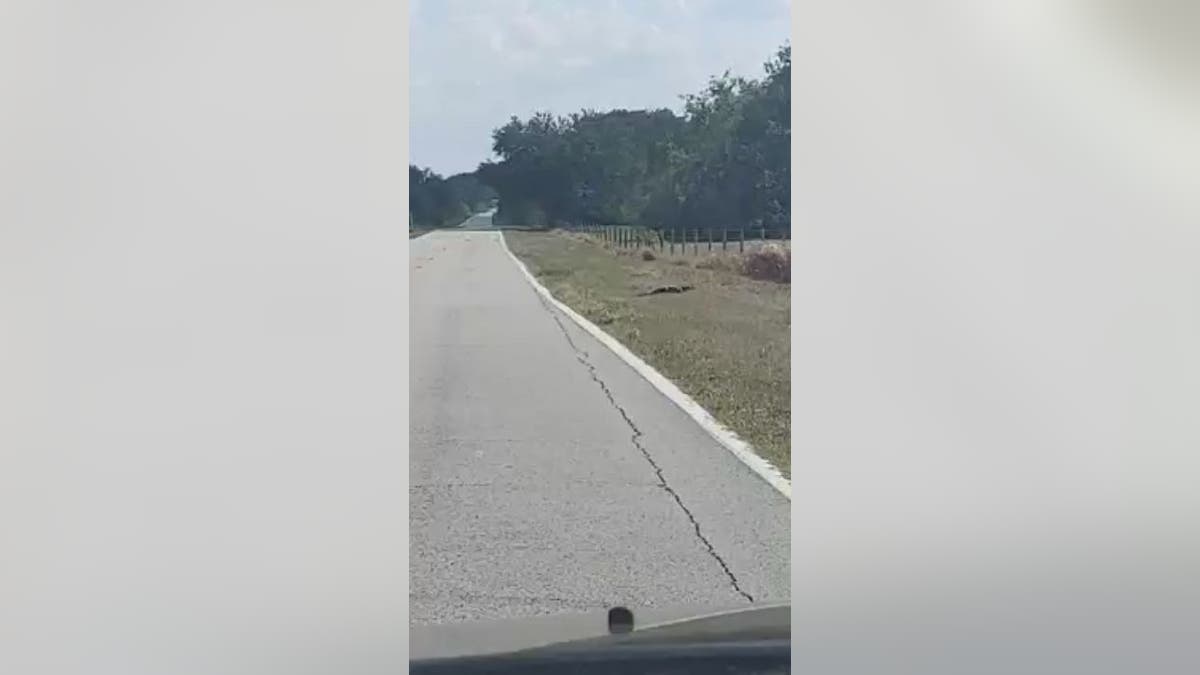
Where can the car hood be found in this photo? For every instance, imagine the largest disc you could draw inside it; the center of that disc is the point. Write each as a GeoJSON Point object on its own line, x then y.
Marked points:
{"type": "Point", "coordinates": [590, 629]}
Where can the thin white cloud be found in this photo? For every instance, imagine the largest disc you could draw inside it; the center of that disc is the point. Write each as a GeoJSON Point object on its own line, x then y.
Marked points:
{"type": "Point", "coordinates": [575, 62]}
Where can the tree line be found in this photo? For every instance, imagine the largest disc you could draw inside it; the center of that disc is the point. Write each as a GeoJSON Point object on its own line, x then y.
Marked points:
{"type": "Point", "coordinates": [724, 162]}
{"type": "Point", "coordinates": [434, 201]}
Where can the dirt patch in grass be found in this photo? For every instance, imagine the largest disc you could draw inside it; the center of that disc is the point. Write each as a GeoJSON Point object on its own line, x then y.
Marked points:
{"type": "Point", "coordinates": [725, 341]}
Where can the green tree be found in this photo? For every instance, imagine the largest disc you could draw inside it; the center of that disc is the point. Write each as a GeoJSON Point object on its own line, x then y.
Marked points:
{"type": "Point", "coordinates": [724, 162]}
{"type": "Point", "coordinates": [435, 201]}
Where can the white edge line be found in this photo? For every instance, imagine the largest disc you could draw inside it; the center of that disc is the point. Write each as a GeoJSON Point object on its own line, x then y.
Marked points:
{"type": "Point", "coordinates": [720, 433]}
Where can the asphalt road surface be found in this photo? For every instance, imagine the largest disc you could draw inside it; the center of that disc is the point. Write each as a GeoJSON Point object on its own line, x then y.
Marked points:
{"type": "Point", "coordinates": [546, 476]}
{"type": "Point", "coordinates": [479, 220]}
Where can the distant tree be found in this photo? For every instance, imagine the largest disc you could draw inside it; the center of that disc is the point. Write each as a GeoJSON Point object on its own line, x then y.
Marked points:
{"type": "Point", "coordinates": [443, 202]}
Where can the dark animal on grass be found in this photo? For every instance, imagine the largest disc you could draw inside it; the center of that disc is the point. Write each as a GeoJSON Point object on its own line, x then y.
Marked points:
{"type": "Point", "coordinates": [666, 289]}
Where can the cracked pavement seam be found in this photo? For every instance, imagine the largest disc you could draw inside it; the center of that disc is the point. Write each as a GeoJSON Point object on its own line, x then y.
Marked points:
{"type": "Point", "coordinates": [581, 356]}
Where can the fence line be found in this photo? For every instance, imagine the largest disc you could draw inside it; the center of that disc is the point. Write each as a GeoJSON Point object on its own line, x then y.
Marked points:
{"type": "Point", "coordinates": [665, 240]}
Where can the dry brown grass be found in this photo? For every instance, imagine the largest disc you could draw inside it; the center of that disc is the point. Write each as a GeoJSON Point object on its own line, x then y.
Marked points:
{"type": "Point", "coordinates": [724, 263]}
{"type": "Point", "coordinates": [770, 262]}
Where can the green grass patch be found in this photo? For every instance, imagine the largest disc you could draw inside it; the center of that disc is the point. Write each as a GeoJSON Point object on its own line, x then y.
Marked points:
{"type": "Point", "coordinates": [726, 342]}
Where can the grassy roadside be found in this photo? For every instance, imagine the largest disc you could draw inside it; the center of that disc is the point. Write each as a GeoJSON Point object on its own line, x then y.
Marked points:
{"type": "Point", "coordinates": [726, 342]}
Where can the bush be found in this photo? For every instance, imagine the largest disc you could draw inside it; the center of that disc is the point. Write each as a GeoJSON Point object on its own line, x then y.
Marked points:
{"type": "Point", "coordinates": [769, 263]}
{"type": "Point", "coordinates": [647, 254]}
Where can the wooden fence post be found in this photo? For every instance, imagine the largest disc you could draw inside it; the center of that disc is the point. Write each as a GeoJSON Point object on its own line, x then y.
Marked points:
{"type": "Point", "coordinates": [741, 240]}
{"type": "Point", "coordinates": [710, 238]}
{"type": "Point", "coordinates": [724, 238]}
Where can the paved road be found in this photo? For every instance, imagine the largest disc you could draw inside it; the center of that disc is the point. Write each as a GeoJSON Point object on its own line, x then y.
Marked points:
{"type": "Point", "coordinates": [546, 476]}
{"type": "Point", "coordinates": [478, 221]}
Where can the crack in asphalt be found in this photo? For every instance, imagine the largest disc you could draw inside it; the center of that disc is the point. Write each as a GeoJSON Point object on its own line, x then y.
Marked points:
{"type": "Point", "coordinates": [581, 356]}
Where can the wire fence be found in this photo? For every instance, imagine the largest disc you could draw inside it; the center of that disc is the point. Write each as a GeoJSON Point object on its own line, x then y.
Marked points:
{"type": "Point", "coordinates": [681, 240]}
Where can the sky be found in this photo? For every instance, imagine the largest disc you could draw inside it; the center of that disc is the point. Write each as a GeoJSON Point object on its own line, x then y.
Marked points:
{"type": "Point", "coordinates": [475, 63]}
